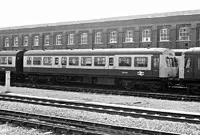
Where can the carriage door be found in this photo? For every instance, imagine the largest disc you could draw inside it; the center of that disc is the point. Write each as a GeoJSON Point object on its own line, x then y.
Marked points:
{"type": "Point", "coordinates": [189, 67]}
{"type": "Point", "coordinates": [197, 67]}
{"type": "Point", "coordinates": [19, 61]}
{"type": "Point", "coordinates": [155, 65]}
{"type": "Point", "coordinates": [111, 65]}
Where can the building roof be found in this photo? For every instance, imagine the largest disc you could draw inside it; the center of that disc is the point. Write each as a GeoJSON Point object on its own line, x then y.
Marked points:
{"type": "Point", "coordinates": [155, 15]}
{"type": "Point", "coordinates": [88, 52]}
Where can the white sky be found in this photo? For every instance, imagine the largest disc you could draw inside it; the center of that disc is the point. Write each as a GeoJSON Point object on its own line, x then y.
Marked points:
{"type": "Point", "coordinates": [27, 12]}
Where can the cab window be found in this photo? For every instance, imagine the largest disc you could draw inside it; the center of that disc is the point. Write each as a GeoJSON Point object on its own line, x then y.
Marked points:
{"type": "Point", "coordinates": [124, 61]}
{"type": "Point", "coordinates": [99, 61]}
{"type": "Point", "coordinates": [86, 61]}
{"type": "Point", "coordinates": [168, 62]}
{"type": "Point", "coordinates": [140, 61]}
{"type": "Point", "coordinates": [37, 60]}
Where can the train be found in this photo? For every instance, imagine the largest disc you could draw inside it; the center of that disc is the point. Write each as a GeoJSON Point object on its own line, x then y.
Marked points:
{"type": "Point", "coordinates": [153, 68]}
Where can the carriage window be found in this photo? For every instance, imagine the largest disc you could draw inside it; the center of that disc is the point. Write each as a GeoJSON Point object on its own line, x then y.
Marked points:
{"type": "Point", "coordinates": [140, 62]}
{"type": "Point", "coordinates": [73, 61]}
{"type": "Point", "coordinates": [56, 61]}
{"type": "Point", "coordinates": [37, 60]}
{"type": "Point", "coordinates": [125, 61]}
{"type": "Point", "coordinates": [187, 63]}
{"type": "Point", "coordinates": [172, 62]}
{"type": "Point", "coordinates": [99, 61]}
{"type": "Point", "coordinates": [29, 59]}
{"type": "Point", "coordinates": [86, 61]}
{"type": "Point", "coordinates": [156, 62]}
{"type": "Point", "coordinates": [168, 62]}
{"type": "Point", "coordinates": [9, 60]}
{"type": "Point", "coordinates": [64, 61]}
{"type": "Point", "coordinates": [111, 61]}
{"type": "Point", "coordinates": [3, 60]}
{"type": "Point", "coordinates": [47, 61]}
{"type": "Point", "coordinates": [176, 62]}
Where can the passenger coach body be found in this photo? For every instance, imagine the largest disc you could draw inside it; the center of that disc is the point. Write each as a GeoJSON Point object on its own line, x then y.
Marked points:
{"type": "Point", "coordinates": [11, 61]}
{"type": "Point", "coordinates": [100, 66]}
{"type": "Point", "coordinates": [189, 71]}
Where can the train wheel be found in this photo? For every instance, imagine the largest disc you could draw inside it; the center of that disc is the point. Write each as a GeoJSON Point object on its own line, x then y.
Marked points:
{"type": "Point", "coordinates": [33, 79]}
{"type": "Point", "coordinates": [195, 90]}
{"type": "Point", "coordinates": [155, 87]}
{"type": "Point", "coordinates": [128, 85]}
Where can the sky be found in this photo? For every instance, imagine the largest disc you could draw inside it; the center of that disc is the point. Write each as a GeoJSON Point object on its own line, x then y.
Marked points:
{"type": "Point", "coordinates": [30, 12]}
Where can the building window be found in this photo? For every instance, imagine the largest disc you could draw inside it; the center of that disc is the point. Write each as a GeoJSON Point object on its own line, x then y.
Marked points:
{"type": "Point", "coordinates": [6, 42]}
{"type": "Point", "coordinates": [36, 41]}
{"type": "Point", "coordinates": [16, 41]}
{"type": "Point", "coordinates": [47, 40]}
{"type": "Point", "coordinates": [70, 39]}
{"type": "Point", "coordinates": [164, 34]}
{"type": "Point", "coordinates": [129, 36]}
{"type": "Point", "coordinates": [59, 39]}
{"type": "Point", "coordinates": [98, 38]}
{"type": "Point", "coordinates": [25, 41]}
{"type": "Point", "coordinates": [184, 34]}
{"type": "Point", "coordinates": [146, 35]}
{"type": "Point", "coordinates": [84, 37]}
{"type": "Point", "coordinates": [113, 37]}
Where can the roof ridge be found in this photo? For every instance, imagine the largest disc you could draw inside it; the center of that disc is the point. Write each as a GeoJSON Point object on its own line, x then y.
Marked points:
{"type": "Point", "coordinates": [153, 15]}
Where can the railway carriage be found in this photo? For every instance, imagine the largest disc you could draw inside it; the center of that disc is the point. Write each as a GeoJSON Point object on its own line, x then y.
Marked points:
{"type": "Point", "coordinates": [189, 71]}
{"type": "Point", "coordinates": [11, 61]}
{"type": "Point", "coordinates": [129, 68]}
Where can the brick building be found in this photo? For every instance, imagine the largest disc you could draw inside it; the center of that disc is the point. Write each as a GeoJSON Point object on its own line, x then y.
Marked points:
{"type": "Point", "coordinates": [174, 30]}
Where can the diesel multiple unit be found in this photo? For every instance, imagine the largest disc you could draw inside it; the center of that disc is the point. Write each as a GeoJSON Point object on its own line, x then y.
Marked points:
{"type": "Point", "coordinates": [151, 67]}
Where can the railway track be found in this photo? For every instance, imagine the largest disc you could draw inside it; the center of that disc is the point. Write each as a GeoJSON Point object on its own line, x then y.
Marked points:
{"type": "Point", "coordinates": [70, 126]}
{"type": "Point", "coordinates": [122, 110]}
{"type": "Point", "coordinates": [166, 96]}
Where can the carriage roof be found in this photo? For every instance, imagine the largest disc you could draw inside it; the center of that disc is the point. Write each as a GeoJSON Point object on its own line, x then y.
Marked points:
{"type": "Point", "coordinates": [121, 51]}
{"type": "Point", "coordinates": [192, 51]}
{"type": "Point", "coordinates": [8, 53]}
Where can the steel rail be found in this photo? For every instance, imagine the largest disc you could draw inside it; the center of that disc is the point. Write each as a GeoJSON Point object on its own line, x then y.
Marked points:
{"type": "Point", "coordinates": [70, 125]}
{"type": "Point", "coordinates": [147, 113]}
{"type": "Point", "coordinates": [156, 95]}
